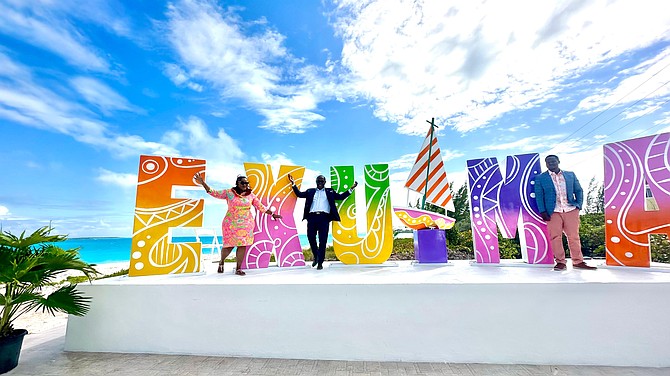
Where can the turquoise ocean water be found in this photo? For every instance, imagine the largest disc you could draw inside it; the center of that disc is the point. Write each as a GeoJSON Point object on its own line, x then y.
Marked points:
{"type": "Point", "coordinates": [102, 250]}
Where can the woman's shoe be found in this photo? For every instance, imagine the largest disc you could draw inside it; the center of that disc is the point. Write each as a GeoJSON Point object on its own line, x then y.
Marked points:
{"type": "Point", "coordinates": [220, 269]}
{"type": "Point", "coordinates": [240, 272]}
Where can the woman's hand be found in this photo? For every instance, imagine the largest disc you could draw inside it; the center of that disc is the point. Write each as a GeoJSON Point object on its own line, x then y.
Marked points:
{"type": "Point", "coordinates": [290, 178]}
{"type": "Point", "coordinates": [274, 216]}
{"type": "Point", "coordinates": [198, 178]}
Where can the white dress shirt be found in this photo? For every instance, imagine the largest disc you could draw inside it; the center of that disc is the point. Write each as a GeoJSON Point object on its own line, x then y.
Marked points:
{"type": "Point", "coordinates": [320, 203]}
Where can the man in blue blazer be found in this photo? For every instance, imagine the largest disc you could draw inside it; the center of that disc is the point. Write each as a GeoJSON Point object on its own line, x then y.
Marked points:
{"type": "Point", "coordinates": [319, 211]}
{"type": "Point", "coordinates": [559, 198]}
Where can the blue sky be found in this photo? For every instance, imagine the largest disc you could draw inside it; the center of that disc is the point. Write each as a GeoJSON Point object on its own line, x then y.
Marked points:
{"type": "Point", "coordinates": [88, 86]}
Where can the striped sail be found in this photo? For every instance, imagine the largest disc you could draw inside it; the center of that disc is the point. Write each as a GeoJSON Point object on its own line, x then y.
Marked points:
{"type": "Point", "coordinates": [439, 192]}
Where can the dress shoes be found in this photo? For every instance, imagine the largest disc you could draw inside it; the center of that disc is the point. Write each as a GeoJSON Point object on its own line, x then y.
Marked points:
{"type": "Point", "coordinates": [319, 267]}
{"type": "Point", "coordinates": [582, 265]}
{"type": "Point", "coordinates": [559, 267]}
{"type": "Point", "coordinates": [313, 263]}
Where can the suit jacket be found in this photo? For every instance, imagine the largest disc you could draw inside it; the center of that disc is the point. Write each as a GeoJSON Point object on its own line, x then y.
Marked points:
{"type": "Point", "coordinates": [545, 192]}
{"type": "Point", "coordinates": [331, 195]}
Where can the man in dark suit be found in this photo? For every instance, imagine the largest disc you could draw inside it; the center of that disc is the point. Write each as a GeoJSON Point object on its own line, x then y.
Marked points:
{"type": "Point", "coordinates": [319, 211]}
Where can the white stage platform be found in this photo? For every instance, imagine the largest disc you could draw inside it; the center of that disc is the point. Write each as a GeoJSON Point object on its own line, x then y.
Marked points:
{"type": "Point", "coordinates": [399, 312]}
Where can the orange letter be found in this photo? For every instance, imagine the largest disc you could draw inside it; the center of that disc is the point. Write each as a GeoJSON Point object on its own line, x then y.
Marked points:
{"type": "Point", "coordinates": [156, 211]}
{"type": "Point", "coordinates": [637, 197]}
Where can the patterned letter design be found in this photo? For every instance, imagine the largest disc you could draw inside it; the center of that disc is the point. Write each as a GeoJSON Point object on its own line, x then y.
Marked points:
{"type": "Point", "coordinates": [637, 197]}
{"type": "Point", "coordinates": [281, 235]}
{"type": "Point", "coordinates": [376, 246]}
{"type": "Point", "coordinates": [156, 212]}
{"type": "Point", "coordinates": [512, 203]}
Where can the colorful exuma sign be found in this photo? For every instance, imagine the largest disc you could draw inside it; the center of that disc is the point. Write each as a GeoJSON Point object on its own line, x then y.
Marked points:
{"type": "Point", "coordinates": [637, 200]}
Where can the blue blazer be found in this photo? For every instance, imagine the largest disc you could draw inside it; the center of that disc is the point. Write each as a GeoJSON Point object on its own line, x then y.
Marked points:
{"type": "Point", "coordinates": [331, 195]}
{"type": "Point", "coordinates": [545, 192]}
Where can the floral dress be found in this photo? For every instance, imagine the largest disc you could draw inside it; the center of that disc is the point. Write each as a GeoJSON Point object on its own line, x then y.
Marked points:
{"type": "Point", "coordinates": [238, 224]}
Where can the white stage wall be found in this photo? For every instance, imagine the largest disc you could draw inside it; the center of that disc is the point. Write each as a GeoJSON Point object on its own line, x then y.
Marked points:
{"type": "Point", "coordinates": [443, 313]}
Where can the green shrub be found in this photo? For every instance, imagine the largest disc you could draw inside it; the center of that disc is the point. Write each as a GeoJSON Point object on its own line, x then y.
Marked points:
{"type": "Point", "coordinates": [660, 248]}
{"type": "Point", "coordinates": [81, 278]}
{"type": "Point", "coordinates": [461, 253]}
{"type": "Point", "coordinates": [115, 274]}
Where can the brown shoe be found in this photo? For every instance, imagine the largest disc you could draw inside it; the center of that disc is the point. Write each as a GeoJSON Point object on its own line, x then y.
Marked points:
{"type": "Point", "coordinates": [582, 265]}
{"type": "Point", "coordinates": [559, 267]}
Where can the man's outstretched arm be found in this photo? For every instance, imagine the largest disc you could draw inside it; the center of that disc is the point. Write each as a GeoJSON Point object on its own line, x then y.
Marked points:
{"type": "Point", "coordinates": [345, 194]}
{"type": "Point", "coordinates": [295, 188]}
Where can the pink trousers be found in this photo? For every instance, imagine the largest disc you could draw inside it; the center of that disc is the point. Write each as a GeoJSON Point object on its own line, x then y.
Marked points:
{"type": "Point", "coordinates": [567, 223]}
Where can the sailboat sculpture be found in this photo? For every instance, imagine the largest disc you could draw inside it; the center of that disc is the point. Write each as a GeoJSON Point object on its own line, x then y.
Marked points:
{"type": "Point", "coordinates": [429, 178]}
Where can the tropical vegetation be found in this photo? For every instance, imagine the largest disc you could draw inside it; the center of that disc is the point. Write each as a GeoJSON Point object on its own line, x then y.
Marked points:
{"type": "Point", "coordinates": [29, 267]}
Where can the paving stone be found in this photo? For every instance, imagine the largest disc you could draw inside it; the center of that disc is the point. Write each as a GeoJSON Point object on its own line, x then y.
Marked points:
{"type": "Point", "coordinates": [46, 356]}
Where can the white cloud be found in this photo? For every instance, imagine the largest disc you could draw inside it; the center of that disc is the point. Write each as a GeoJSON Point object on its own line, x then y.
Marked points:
{"type": "Point", "coordinates": [33, 165]}
{"type": "Point", "coordinates": [518, 128]}
{"type": "Point", "coordinates": [118, 179]}
{"type": "Point", "coordinates": [42, 29]}
{"type": "Point", "coordinates": [132, 145]}
{"type": "Point", "coordinates": [175, 74]}
{"type": "Point", "coordinates": [646, 81]}
{"type": "Point", "coordinates": [407, 161]}
{"type": "Point", "coordinates": [567, 119]}
{"type": "Point", "coordinates": [197, 140]}
{"type": "Point", "coordinates": [664, 120]}
{"type": "Point", "coordinates": [585, 164]}
{"type": "Point", "coordinates": [25, 101]}
{"type": "Point", "coordinates": [528, 144]}
{"type": "Point", "coordinates": [404, 162]}
{"type": "Point", "coordinates": [13, 69]}
{"type": "Point", "coordinates": [277, 160]}
{"type": "Point", "coordinates": [4, 210]}
{"type": "Point", "coordinates": [399, 177]}
{"type": "Point", "coordinates": [195, 87]}
{"type": "Point", "coordinates": [643, 109]}
{"type": "Point", "coordinates": [448, 155]}
{"type": "Point", "coordinates": [222, 153]}
{"type": "Point", "coordinates": [471, 62]}
{"type": "Point", "coordinates": [101, 95]}
{"type": "Point", "coordinates": [217, 47]}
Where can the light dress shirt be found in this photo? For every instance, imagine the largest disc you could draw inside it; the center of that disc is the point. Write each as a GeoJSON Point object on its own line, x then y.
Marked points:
{"type": "Point", "coordinates": [320, 203]}
{"type": "Point", "coordinates": [562, 205]}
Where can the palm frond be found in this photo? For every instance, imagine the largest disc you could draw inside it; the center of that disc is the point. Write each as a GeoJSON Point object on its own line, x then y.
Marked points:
{"type": "Point", "coordinates": [67, 300]}
{"type": "Point", "coordinates": [49, 265]}
{"type": "Point", "coordinates": [28, 263]}
{"type": "Point", "coordinates": [25, 297]}
{"type": "Point", "coordinates": [40, 236]}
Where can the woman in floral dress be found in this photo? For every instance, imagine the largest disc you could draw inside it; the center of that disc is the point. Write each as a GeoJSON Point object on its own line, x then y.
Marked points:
{"type": "Point", "coordinates": [238, 224]}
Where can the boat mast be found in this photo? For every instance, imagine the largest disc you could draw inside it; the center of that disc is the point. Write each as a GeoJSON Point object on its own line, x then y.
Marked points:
{"type": "Point", "coordinates": [430, 147]}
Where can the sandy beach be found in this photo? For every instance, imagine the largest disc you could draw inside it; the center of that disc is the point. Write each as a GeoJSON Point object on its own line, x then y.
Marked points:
{"type": "Point", "coordinates": [38, 322]}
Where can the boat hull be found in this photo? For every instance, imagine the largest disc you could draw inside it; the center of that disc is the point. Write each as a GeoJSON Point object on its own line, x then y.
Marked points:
{"type": "Point", "coordinates": [418, 219]}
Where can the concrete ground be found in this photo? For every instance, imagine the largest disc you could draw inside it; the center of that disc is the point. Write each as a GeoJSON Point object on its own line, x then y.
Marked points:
{"type": "Point", "coordinates": [43, 354]}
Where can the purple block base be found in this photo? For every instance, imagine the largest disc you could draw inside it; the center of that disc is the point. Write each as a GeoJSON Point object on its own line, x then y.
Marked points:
{"type": "Point", "coordinates": [430, 246]}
